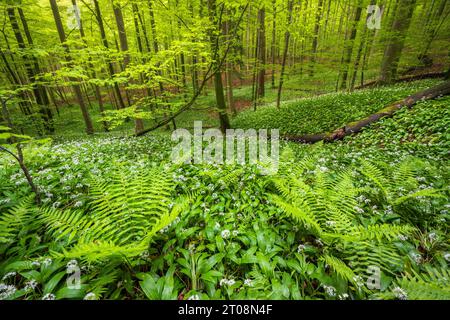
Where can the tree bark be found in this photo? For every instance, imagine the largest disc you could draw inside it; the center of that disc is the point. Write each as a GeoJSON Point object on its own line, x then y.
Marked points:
{"type": "Point", "coordinates": [395, 46]}
{"type": "Point", "coordinates": [76, 87]}
{"type": "Point", "coordinates": [285, 53]}
{"type": "Point", "coordinates": [261, 53]}
{"type": "Point", "coordinates": [138, 123]}
{"type": "Point", "coordinates": [38, 90]}
{"type": "Point", "coordinates": [218, 84]}
{"type": "Point", "coordinates": [349, 46]}
{"type": "Point", "coordinates": [315, 38]}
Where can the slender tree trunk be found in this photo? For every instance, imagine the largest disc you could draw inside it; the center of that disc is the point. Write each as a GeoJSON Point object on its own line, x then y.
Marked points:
{"type": "Point", "coordinates": [76, 87]}
{"type": "Point", "coordinates": [229, 71]}
{"type": "Point", "coordinates": [38, 90]}
{"type": "Point", "coordinates": [315, 38]}
{"type": "Point", "coordinates": [394, 48]}
{"type": "Point", "coordinates": [139, 123]}
{"type": "Point", "coordinates": [99, 18]}
{"type": "Point", "coordinates": [349, 45]}
{"type": "Point", "coordinates": [285, 53]}
{"type": "Point", "coordinates": [261, 53]}
{"type": "Point", "coordinates": [274, 40]}
{"type": "Point", "coordinates": [218, 84]}
{"type": "Point", "coordinates": [156, 50]}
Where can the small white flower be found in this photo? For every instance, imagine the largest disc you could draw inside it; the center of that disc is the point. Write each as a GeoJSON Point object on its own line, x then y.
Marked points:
{"type": "Point", "coordinates": [402, 237]}
{"type": "Point", "coordinates": [248, 282]}
{"type": "Point", "coordinates": [358, 281]}
{"type": "Point", "coordinates": [331, 291]}
{"type": "Point", "coordinates": [225, 234]}
{"type": "Point", "coordinates": [194, 297]}
{"type": "Point", "coordinates": [231, 282]}
{"type": "Point", "coordinates": [9, 275]}
{"type": "Point", "coordinates": [47, 262]}
{"type": "Point", "coordinates": [223, 282]}
{"type": "Point", "coordinates": [6, 291]}
{"type": "Point", "coordinates": [235, 233]}
{"type": "Point", "coordinates": [432, 236]}
{"type": "Point", "coordinates": [30, 285]}
{"type": "Point", "coordinates": [49, 296]}
{"type": "Point", "coordinates": [300, 248]}
{"type": "Point", "coordinates": [35, 264]}
{"type": "Point", "coordinates": [78, 204]}
{"type": "Point", "coordinates": [90, 296]}
{"type": "Point", "coordinates": [330, 223]}
{"type": "Point", "coordinates": [416, 257]}
{"type": "Point", "coordinates": [343, 296]}
{"type": "Point", "coordinates": [447, 256]}
{"type": "Point", "coordinates": [358, 209]}
{"type": "Point", "coordinates": [400, 293]}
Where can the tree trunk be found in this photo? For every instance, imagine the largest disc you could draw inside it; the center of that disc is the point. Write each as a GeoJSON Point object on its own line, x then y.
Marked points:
{"type": "Point", "coordinates": [349, 46]}
{"type": "Point", "coordinates": [261, 53]}
{"type": "Point", "coordinates": [395, 46]}
{"type": "Point", "coordinates": [315, 38]}
{"type": "Point", "coordinates": [138, 123]}
{"type": "Point", "coordinates": [218, 84]}
{"type": "Point", "coordinates": [38, 90]}
{"type": "Point", "coordinates": [98, 16]}
{"type": "Point", "coordinates": [76, 87]}
{"type": "Point", "coordinates": [274, 35]}
{"type": "Point", "coordinates": [285, 53]}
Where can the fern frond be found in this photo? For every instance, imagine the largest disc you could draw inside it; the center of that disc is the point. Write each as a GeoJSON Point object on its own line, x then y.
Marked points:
{"type": "Point", "coordinates": [302, 216]}
{"type": "Point", "coordinates": [14, 220]}
{"type": "Point", "coordinates": [339, 267]}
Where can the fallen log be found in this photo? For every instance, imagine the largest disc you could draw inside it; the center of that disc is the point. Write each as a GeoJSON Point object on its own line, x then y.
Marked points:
{"type": "Point", "coordinates": [355, 127]}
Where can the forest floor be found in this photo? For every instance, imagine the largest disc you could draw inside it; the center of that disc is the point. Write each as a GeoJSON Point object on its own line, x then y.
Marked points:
{"type": "Point", "coordinates": [141, 227]}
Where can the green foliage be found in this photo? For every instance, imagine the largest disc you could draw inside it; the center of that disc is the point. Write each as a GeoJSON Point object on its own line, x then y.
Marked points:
{"type": "Point", "coordinates": [325, 113]}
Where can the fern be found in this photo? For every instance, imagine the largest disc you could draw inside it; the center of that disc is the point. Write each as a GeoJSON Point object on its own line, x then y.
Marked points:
{"type": "Point", "coordinates": [12, 222]}
{"type": "Point", "coordinates": [433, 284]}
{"type": "Point", "coordinates": [325, 205]}
{"type": "Point", "coordinates": [125, 215]}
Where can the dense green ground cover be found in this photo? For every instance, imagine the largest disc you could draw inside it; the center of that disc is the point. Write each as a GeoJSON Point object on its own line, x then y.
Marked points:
{"type": "Point", "coordinates": [328, 112]}
{"type": "Point", "coordinates": [140, 227]}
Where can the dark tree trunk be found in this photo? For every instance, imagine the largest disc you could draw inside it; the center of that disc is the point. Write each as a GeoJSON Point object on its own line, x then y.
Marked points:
{"type": "Point", "coordinates": [285, 53]}
{"type": "Point", "coordinates": [39, 92]}
{"type": "Point", "coordinates": [394, 48]}
{"type": "Point", "coordinates": [315, 38]}
{"type": "Point", "coordinates": [76, 87]}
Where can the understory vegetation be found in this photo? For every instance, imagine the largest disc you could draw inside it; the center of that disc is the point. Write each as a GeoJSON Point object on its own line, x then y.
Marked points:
{"type": "Point", "coordinates": [135, 138]}
{"type": "Point", "coordinates": [140, 227]}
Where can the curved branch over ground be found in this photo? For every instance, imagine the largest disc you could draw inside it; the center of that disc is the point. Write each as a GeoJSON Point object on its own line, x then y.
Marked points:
{"type": "Point", "coordinates": [357, 126]}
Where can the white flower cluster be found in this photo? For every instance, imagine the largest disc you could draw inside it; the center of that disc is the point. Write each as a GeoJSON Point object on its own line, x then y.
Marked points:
{"type": "Point", "coordinates": [227, 282]}
{"type": "Point", "coordinates": [9, 275]}
{"type": "Point", "coordinates": [399, 293]}
{"type": "Point", "coordinates": [30, 285]}
{"type": "Point", "coordinates": [90, 296]}
{"type": "Point", "coordinates": [225, 233]}
{"type": "Point", "coordinates": [330, 290]}
{"type": "Point", "coordinates": [6, 291]}
{"type": "Point", "coordinates": [416, 257]}
{"type": "Point", "coordinates": [49, 296]}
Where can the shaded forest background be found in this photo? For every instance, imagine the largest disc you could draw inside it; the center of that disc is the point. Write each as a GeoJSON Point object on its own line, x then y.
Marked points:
{"type": "Point", "coordinates": [149, 64]}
